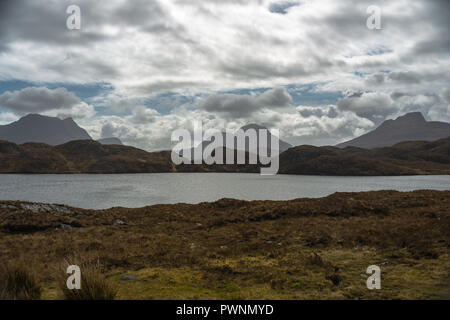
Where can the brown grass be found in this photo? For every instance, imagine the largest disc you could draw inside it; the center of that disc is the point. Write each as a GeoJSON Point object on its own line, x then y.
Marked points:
{"type": "Point", "coordinates": [304, 248]}
{"type": "Point", "coordinates": [17, 282]}
{"type": "Point", "coordinates": [94, 285]}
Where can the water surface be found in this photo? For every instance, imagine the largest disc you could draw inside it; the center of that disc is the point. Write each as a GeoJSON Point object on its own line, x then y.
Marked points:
{"type": "Point", "coordinates": [138, 190]}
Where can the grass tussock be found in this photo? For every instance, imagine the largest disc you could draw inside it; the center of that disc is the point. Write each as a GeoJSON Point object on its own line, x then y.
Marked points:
{"type": "Point", "coordinates": [94, 285]}
{"type": "Point", "coordinates": [17, 282]}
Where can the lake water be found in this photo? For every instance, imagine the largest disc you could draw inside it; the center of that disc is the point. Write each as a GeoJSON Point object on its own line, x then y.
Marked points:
{"type": "Point", "coordinates": [138, 190]}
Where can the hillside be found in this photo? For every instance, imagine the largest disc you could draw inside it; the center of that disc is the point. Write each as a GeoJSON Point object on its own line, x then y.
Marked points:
{"type": "Point", "coordinates": [410, 127]}
{"type": "Point", "coordinates": [407, 158]}
{"type": "Point", "coordinates": [80, 157]}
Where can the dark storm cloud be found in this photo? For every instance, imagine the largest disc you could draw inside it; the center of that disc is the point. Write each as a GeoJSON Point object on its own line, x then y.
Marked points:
{"type": "Point", "coordinates": [433, 47]}
{"type": "Point", "coordinates": [6, 8]}
{"type": "Point", "coordinates": [247, 68]}
{"type": "Point", "coordinates": [397, 95]}
{"type": "Point", "coordinates": [46, 23]}
{"type": "Point", "coordinates": [330, 112]}
{"type": "Point", "coordinates": [162, 86]}
{"type": "Point", "coordinates": [405, 77]}
{"type": "Point", "coordinates": [438, 12]}
{"type": "Point", "coordinates": [35, 100]}
{"type": "Point", "coordinates": [41, 23]}
{"type": "Point", "coordinates": [412, 77]}
{"type": "Point", "coordinates": [240, 106]}
{"type": "Point", "coordinates": [78, 65]}
{"type": "Point", "coordinates": [376, 79]}
{"type": "Point", "coordinates": [435, 17]}
{"type": "Point", "coordinates": [446, 95]}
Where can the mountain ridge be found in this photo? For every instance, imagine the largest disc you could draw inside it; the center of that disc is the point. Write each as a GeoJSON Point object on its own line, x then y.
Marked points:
{"type": "Point", "coordinates": [43, 129]}
{"type": "Point", "coordinates": [110, 140]}
{"type": "Point", "coordinates": [88, 156]}
{"type": "Point", "coordinates": [409, 127]}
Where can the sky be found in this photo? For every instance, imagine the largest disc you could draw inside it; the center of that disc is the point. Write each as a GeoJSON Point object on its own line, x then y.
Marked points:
{"type": "Point", "coordinates": [140, 69]}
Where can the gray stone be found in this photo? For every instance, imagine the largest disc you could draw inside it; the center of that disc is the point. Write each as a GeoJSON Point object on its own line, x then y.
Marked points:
{"type": "Point", "coordinates": [64, 226]}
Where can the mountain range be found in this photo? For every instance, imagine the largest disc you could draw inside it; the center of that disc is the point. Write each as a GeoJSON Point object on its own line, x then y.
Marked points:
{"type": "Point", "coordinates": [54, 131]}
{"type": "Point", "coordinates": [410, 127]}
{"type": "Point", "coordinates": [89, 156]}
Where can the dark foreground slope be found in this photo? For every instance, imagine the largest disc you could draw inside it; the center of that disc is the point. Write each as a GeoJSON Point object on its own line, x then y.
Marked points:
{"type": "Point", "coordinates": [304, 248]}
{"type": "Point", "coordinates": [407, 158]}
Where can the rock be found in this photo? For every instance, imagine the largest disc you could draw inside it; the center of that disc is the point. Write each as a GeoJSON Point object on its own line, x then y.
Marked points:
{"type": "Point", "coordinates": [119, 222]}
{"type": "Point", "coordinates": [7, 206]}
{"type": "Point", "coordinates": [35, 208]}
{"type": "Point", "coordinates": [64, 226]}
{"type": "Point", "coordinates": [41, 207]}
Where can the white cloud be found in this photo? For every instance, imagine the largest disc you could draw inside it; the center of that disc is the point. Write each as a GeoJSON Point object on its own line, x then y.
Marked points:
{"type": "Point", "coordinates": [142, 48]}
{"type": "Point", "coordinates": [370, 105]}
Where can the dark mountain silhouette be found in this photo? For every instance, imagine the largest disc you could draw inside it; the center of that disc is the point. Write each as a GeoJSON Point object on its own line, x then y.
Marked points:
{"type": "Point", "coordinates": [109, 141]}
{"type": "Point", "coordinates": [410, 127]}
{"type": "Point", "coordinates": [43, 129]}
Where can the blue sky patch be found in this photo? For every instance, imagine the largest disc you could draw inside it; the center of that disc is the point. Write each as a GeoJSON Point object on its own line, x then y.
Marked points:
{"type": "Point", "coordinates": [282, 6]}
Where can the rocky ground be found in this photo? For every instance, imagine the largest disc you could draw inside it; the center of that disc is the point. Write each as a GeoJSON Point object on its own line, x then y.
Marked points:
{"type": "Point", "coordinates": [299, 249]}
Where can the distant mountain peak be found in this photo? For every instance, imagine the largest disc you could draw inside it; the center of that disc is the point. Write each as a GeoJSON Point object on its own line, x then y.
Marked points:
{"type": "Point", "coordinates": [409, 127]}
{"type": "Point", "coordinates": [32, 116]}
{"type": "Point", "coordinates": [412, 116]}
{"type": "Point", "coordinates": [44, 129]}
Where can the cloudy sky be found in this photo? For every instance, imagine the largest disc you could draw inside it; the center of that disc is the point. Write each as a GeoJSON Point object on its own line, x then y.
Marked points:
{"type": "Point", "coordinates": [140, 69]}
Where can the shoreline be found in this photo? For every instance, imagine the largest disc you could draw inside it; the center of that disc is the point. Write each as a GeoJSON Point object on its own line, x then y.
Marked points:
{"type": "Point", "coordinates": [5, 202]}
{"type": "Point", "coordinates": [223, 172]}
